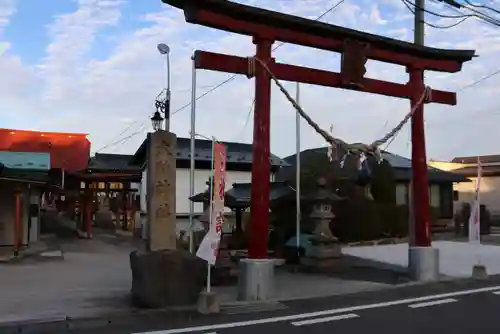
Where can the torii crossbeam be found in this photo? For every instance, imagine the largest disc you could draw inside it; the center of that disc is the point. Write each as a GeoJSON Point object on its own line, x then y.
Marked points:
{"type": "Point", "coordinates": [356, 48]}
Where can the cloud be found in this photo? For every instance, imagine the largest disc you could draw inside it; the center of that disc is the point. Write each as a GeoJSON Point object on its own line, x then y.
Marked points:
{"type": "Point", "coordinates": [73, 35]}
{"type": "Point", "coordinates": [7, 9]}
{"type": "Point", "coordinates": [77, 92]}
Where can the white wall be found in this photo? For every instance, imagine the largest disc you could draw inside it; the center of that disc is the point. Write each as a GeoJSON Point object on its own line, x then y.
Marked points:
{"type": "Point", "coordinates": [182, 187]}
{"type": "Point", "coordinates": [490, 187]}
{"type": "Point", "coordinates": [490, 192]}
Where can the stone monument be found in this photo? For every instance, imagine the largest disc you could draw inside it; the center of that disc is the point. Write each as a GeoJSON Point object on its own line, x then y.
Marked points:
{"type": "Point", "coordinates": [325, 252]}
{"type": "Point", "coordinates": [163, 276]}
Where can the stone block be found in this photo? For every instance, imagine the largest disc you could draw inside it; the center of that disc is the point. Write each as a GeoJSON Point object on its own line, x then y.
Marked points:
{"type": "Point", "coordinates": [166, 278]}
{"type": "Point", "coordinates": [161, 180]}
{"type": "Point", "coordinates": [313, 264]}
{"type": "Point", "coordinates": [479, 271]}
{"type": "Point", "coordinates": [325, 251]}
{"type": "Point", "coordinates": [208, 303]}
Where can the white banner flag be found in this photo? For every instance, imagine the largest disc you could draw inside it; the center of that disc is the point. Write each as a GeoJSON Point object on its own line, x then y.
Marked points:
{"type": "Point", "coordinates": [475, 219]}
{"type": "Point", "coordinates": [209, 246]}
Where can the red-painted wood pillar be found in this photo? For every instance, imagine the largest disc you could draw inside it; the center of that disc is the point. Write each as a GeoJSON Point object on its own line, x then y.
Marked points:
{"type": "Point", "coordinates": [88, 213]}
{"type": "Point", "coordinates": [421, 211]}
{"type": "Point", "coordinates": [125, 210]}
{"type": "Point", "coordinates": [261, 167]}
{"type": "Point", "coordinates": [18, 223]}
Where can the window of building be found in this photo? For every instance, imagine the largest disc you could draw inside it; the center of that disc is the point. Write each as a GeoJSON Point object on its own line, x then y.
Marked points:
{"type": "Point", "coordinates": [402, 195]}
{"type": "Point", "coordinates": [116, 185]}
{"type": "Point", "coordinates": [434, 195]}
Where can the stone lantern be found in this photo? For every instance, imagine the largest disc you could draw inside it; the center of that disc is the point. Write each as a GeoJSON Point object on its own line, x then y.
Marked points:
{"type": "Point", "coordinates": [325, 250]}
{"type": "Point", "coordinates": [205, 217]}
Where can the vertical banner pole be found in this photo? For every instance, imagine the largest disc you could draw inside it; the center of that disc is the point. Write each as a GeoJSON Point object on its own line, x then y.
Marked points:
{"type": "Point", "coordinates": [192, 156]}
{"type": "Point", "coordinates": [211, 209]}
{"type": "Point", "coordinates": [297, 177]}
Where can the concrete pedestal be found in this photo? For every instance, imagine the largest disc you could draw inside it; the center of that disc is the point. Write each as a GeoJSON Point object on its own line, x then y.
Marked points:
{"type": "Point", "coordinates": [479, 271]}
{"type": "Point", "coordinates": [208, 303]}
{"type": "Point", "coordinates": [256, 279]}
{"type": "Point", "coordinates": [423, 264]}
{"type": "Point", "coordinates": [322, 258]}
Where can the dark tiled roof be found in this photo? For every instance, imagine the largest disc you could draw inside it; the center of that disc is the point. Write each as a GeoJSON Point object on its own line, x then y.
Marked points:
{"type": "Point", "coordinates": [402, 166]}
{"type": "Point", "coordinates": [239, 195]}
{"type": "Point", "coordinates": [236, 152]}
{"type": "Point", "coordinates": [111, 162]}
{"type": "Point", "coordinates": [487, 159]}
{"type": "Point", "coordinates": [241, 192]}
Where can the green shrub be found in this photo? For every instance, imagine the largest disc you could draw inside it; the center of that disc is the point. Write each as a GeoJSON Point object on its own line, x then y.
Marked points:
{"type": "Point", "coordinates": [383, 185]}
{"type": "Point", "coordinates": [356, 221]}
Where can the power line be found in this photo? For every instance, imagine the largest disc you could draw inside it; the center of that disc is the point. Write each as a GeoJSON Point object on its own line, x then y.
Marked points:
{"type": "Point", "coordinates": [232, 77]}
{"type": "Point", "coordinates": [328, 11]}
{"type": "Point", "coordinates": [411, 5]}
{"type": "Point", "coordinates": [491, 75]}
{"type": "Point", "coordinates": [459, 16]}
{"type": "Point", "coordinates": [121, 140]}
{"type": "Point", "coordinates": [452, 4]}
{"type": "Point", "coordinates": [482, 6]}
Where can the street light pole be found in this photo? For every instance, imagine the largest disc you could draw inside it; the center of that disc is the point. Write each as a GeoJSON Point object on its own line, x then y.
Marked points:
{"type": "Point", "coordinates": [165, 50]}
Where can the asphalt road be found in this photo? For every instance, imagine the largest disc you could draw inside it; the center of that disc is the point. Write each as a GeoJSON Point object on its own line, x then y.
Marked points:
{"type": "Point", "coordinates": [459, 307]}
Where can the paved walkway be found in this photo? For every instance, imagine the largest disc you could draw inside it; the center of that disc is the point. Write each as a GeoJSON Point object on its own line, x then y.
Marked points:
{"type": "Point", "coordinates": [93, 278]}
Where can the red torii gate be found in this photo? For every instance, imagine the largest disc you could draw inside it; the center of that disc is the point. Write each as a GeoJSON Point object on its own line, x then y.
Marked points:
{"type": "Point", "coordinates": [356, 47]}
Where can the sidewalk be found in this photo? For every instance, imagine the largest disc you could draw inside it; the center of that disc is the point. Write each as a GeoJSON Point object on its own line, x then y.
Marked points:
{"type": "Point", "coordinates": [94, 278]}
{"type": "Point", "coordinates": [94, 281]}
{"type": "Point", "coordinates": [45, 248]}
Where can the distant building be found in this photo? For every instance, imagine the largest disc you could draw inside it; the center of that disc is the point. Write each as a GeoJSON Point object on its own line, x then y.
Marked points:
{"type": "Point", "coordinates": [23, 178]}
{"type": "Point", "coordinates": [490, 181]}
{"type": "Point", "coordinates": [239, 166]}
{"type": "Point", "coordinates": [68, 151]}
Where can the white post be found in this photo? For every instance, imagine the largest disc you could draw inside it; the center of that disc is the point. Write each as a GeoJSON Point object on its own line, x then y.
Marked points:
{"type": "Point", "coordinates": [297, 169]}
{"type": "Point", "coordinates": [479, 177]}
{"type": "Point", "coordinates": [210, 210]}
{"type": "Point", "coordinates": [192, 156]}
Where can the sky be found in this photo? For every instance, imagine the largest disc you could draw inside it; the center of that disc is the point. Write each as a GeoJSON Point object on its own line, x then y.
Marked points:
{"type": "Point", "coordinates": [92, 66]}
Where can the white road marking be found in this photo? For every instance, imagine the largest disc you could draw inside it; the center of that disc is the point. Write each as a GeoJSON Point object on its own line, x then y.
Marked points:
{"type": "Point", "coordinates": [327, 319]}
{"type": "Point", "coordinates": [496, 292]}
{"type": "Point", "coordinates": [435, 302]}
{"type": "Point", "coordinates": [321, 313]}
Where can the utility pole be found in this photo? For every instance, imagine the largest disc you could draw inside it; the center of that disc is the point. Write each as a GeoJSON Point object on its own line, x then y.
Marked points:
{"type": "Point", "coordinates": [423, 259]}
{"type": "Point", "coordinates": [419, 22]}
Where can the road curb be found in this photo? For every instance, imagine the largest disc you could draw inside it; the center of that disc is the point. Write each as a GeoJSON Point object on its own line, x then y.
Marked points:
{"type": "Point", "coordinates": [65, 324]}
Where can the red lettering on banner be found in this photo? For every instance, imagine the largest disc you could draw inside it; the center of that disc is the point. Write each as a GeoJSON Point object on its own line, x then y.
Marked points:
{"type": "Point", "coordinates": [218, 223]}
